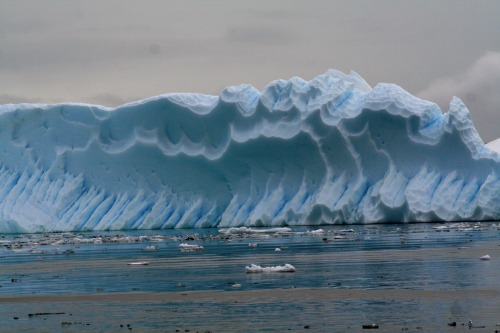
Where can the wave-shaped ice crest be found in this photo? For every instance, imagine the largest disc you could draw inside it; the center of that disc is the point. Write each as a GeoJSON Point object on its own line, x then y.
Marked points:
{"type": "Point", "coordinates": [331, 150]}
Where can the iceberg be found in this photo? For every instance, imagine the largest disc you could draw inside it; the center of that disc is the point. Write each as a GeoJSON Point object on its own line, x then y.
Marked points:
{"type": "Point", "coordinates": [331, 150]}
{"type": "Point", "coordinates": [287, 268]}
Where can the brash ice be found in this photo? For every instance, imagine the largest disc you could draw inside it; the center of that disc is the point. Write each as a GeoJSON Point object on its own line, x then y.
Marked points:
{"type": "Point", "coordinates": [332, 150]}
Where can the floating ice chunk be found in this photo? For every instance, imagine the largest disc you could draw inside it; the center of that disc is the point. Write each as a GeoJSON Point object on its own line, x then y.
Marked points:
{"type": "Point", "coordinates": [81, 240]}
{"type": "Point", "coordinates": [277, 249]}
{"type": "Point", "coordinates": [316, 232]}
{"type": "Point", "coordinates": [245, 230]}
{"type": "Point", "coordinates": [38, 252]}
{"type": "Point", "coordinates": [485, 257]}
{"type": "Point", "coordinates": [20, 249]}
{"type": "Point", "coordinates": [150, 248]}
{"type": "Point", "coordinates": [184, 247]}
{"type": "Point", "coordinates": [138, 263]}
{"type": "Point", "coordinates": [271, 269]}
{"type": "Point", "coordinates": [369, 326]}
{"type": "Point", "coordinates": [252, 245]}
{"type": "Point", "coordinates": [346, 230]}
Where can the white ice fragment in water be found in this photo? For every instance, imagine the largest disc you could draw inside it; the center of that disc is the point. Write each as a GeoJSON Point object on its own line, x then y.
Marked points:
{"type": "Point", "coordinates": [150, 248]}
{"type": "Point", "coordinates": [252, 244]}
{"type": "Point", "coordinates": [245, 230]}
{"type": "Point", "coordinates": [287, 268]}
{"type": "Point", "coordinates": [486, 257]}
{"type": "Point", "coordinates": [316, 232]}
{"type": "Point", "coordinates": [277, 249]}
{"type": "Point", "coordinates": [37, 252]}
{"type": "Point", "coordinates": [184, 247]}
{"type": "Point", "coordinates": [138, 263]}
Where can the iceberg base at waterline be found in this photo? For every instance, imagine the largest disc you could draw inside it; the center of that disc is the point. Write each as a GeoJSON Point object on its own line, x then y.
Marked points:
{"type": "Point", "coordinates": [326, 151]}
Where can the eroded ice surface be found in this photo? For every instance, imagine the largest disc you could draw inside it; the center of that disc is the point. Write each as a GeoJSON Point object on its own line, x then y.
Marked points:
{"type": "Point", "coordinates": [332, 150]}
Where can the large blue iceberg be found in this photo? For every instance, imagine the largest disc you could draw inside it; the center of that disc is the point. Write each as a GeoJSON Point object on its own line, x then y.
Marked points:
{"type": "Point", "coordinates": [332, 150]}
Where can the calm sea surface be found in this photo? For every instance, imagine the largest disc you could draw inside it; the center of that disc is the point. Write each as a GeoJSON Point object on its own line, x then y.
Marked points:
{"type": "Point", "coordinates": [411, 277]}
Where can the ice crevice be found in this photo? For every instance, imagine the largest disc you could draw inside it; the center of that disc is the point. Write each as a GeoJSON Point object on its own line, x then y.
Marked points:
{"type": "Point", "coordinates": [330, 150]}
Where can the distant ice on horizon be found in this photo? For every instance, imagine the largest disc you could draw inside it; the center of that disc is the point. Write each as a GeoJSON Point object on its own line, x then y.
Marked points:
{"type": "Point", "coordinates": [327, 151]}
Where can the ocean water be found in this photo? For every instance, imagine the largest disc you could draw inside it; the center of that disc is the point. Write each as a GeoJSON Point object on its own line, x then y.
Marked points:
{"type": "Point", "coordinates": [401, 277]}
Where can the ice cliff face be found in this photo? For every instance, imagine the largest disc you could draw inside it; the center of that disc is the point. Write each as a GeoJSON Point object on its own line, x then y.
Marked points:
{"type": "Point", "coordinates": [331, 150]}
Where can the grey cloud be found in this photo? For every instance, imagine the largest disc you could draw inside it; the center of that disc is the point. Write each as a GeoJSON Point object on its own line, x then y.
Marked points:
{"type": "Point", "coordinates": [479, 89]}
{"type": "Point", "coordinates": [272, 35]}
{"type": "Point", "coordinates": [75, 50]}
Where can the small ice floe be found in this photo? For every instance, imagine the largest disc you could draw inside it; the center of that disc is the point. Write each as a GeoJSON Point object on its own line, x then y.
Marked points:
{"type": "Point", "coordinates": [20, 249]}
{"type": "Point", "coordinates": [150, 248]}
{"type": "Point", "coordinates": [316, 232]}
{"type": "Point", "coordinates": [81, 240]}
{"type": "Point", "coordinates": [59, 242]}
{"type": "Point", "coordinates": [277, 249]}
{"type": "Point", "coordinates": [441, 228]}
{"type": "Point", "coordinates": [184, 247]}
{"type": "Point", "coordinates": [370, 326]}
{"type": "Point", "coordinates": [459, 226]}
{"type": "Point", "coordinates": [287, 268]}
{"type": "Point", "coordinates": [252, 244]}
{"type": "Point", "coordinates": [245, 230]}
{"type": "Point", "coordinates": [38, 252]}
{"type": "Point", "coordinates": [485, 258]}
{"type": "Point", "coordinates": [138, 263]}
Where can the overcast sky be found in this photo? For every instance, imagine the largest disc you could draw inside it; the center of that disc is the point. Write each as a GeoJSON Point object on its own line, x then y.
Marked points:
{"type": "Point", "coordinates": [116, 51]}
